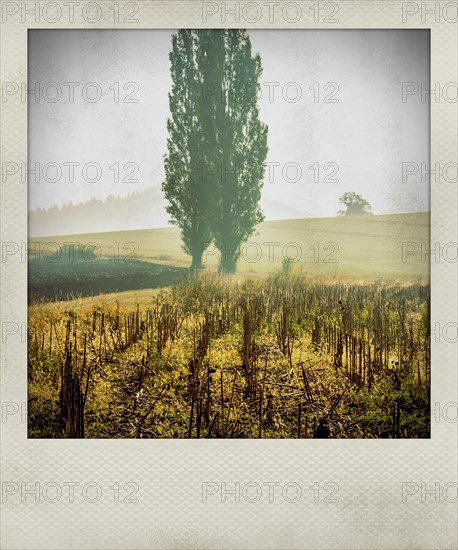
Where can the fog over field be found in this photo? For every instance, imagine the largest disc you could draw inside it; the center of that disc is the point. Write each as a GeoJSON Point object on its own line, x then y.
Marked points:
{"type": "Point", "coordinates": [295, 324]}
{"type": "Point", "coordinates": [332, 101]}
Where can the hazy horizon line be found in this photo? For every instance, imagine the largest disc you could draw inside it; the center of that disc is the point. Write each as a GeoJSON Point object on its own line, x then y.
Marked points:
{"type": "Point", "coordinates": [173, 226]}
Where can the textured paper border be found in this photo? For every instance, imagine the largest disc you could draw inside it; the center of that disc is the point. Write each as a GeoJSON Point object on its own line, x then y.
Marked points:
{"type": "Point", "coordinates": [370, 513]}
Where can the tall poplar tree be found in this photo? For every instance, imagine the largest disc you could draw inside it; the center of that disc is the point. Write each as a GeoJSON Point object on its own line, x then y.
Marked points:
{"type": "Point", "coordinates": [237, 150]}
{"type": "Point", "coordinates": [217, 144]}
{"type": "Point", "coordinates": [183, 186]}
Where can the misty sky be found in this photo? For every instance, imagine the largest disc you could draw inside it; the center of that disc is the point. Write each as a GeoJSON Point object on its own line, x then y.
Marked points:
{"type": "Point", "coordinates": [367, 134]}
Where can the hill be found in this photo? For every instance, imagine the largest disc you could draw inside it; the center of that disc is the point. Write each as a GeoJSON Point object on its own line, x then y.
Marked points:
{"type": "Point", "coordinates": [350, 248]}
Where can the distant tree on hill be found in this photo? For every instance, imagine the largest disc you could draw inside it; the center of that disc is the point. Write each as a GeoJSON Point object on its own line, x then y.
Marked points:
{"type": "Point", "coordinates": [355, 205]}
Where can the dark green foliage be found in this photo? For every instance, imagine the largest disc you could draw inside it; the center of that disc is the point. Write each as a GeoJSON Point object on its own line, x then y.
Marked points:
{"type": "Point", "coordinates": [238, 148]}
{"type": "Point", "coordinates": [217, 144]}
{"type": "Point", "coordinates": [355, 204]}
{"type": "Point", "coordinates": [183, 186]}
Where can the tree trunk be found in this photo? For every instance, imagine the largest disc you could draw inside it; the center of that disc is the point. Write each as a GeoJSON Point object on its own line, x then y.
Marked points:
{"type": "Point", "coordinates": [228, 262]}
{"type": "Point", "coordinates": [196, 260]}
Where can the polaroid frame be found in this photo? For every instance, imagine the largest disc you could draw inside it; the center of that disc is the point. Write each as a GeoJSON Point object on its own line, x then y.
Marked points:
{"type": "Point", "coordinates": [339, 494]}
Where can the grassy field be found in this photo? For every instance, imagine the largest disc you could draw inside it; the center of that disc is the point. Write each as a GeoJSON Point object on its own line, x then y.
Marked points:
{"type": "Point", "coordinates": [324, 349]}
{"type": "Point", "coordinates": [335, 249]}
{"type": "Point", "coordinates": [276, 358]}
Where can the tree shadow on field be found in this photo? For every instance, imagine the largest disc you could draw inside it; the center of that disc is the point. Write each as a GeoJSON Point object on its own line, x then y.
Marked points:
{"type": "Point", "coordinates": [65, 279]}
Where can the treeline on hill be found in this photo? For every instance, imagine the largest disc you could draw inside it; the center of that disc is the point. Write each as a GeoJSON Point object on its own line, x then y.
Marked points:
{"type": "Point", "coordinates": [213, 358]}
{"type": "Point", "coordinates": [143, 208]}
